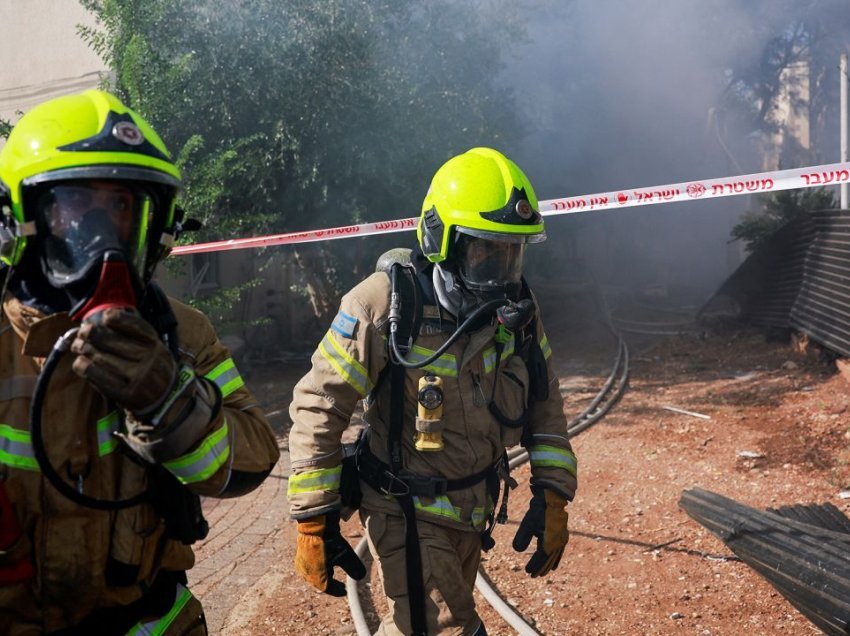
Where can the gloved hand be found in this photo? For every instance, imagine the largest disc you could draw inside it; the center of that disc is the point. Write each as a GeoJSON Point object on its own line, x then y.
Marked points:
{"type": "Point", "coordinates": [319, 549]}
{"type": "Point", "coordinates": [123, 356]}
{"type": "Point", "coordinates": [547, 520]}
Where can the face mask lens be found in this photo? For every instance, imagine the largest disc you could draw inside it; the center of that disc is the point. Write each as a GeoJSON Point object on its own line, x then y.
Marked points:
{"type": "Point", "coordinates": [485, 265]}
{"type": "Point", "coordinates": [79, 221]}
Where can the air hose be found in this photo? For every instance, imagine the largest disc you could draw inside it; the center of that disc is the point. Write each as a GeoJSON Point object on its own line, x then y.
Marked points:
{"type": "Point", "coordinates": [395, 318]}
{"type": "Point", "coordinates": [59, 349]}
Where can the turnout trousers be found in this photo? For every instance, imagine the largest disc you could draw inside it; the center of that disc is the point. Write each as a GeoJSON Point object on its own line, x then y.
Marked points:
{"type": "Point", "coordinates": [450, 560]}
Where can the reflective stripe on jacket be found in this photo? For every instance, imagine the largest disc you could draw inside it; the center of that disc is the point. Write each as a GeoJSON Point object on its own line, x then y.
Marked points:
{"type": "Point", "coordinates": [84, 558]}
{"type": "Point", "coordinates": [348, 363]}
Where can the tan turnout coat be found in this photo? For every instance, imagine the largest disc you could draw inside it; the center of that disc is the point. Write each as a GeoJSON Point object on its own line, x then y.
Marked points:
{"type": "Point", "coordinates": [345, 368]}
{"type": "Point", "coordinates": [70, 545]}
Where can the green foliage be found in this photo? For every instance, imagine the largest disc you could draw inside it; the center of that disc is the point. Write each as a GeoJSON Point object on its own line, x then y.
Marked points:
{"type": "Point", "coordinates": [778, 208]}
{"type": "Point", "coordinates": [290, 115]}
{"type": "Point", "coordinates": [5, 128]}
{"type": "Point", "coordinates": [219, 306]}
{"type": "Point", "coordinates": [287, 116]}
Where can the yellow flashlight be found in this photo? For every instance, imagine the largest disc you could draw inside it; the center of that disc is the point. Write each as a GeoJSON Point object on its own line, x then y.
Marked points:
{"type": "Point", "coordinates": [429, 424]}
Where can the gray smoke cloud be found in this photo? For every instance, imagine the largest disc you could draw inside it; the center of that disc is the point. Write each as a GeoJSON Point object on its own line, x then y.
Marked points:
{"type": "Point", "coordinates": [624, 92]}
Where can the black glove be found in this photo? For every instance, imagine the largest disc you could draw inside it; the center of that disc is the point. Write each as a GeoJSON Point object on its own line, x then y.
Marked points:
{"type": "Point", "coordinates": [515, 316]}
{"type": "Point", "coordinates": [320, 548]}
{"type": "Point", "coordinates": [547, 520]}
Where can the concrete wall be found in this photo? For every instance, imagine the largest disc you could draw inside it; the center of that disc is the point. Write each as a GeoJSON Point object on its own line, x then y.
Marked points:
{"type": "Point", "coordinates": [42, 54]}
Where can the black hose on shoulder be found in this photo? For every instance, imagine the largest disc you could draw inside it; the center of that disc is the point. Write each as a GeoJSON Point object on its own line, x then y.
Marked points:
{"type": "Point", "coordinates": [395, 318]}
{"type": "Point", "coordinates": [490, 305]}
{"type": "Point", "coordinates": [62, 345]}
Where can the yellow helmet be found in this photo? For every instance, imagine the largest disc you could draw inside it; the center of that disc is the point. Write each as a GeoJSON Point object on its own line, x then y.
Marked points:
{"type": "Point", "coordinates": [76, 140]}
{"type": "Point", "coordinates": [481, 193]}
{"type": "Point", "coordinates": [479, 214]}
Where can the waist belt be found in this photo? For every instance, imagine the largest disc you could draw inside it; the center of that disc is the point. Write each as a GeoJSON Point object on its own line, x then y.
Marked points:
{"type": "Point", "coordinates": [379, 476]}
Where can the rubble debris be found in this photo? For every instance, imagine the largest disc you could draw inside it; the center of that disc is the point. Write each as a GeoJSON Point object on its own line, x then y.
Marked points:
{"type": "Point", "coordinates": [803, 551]}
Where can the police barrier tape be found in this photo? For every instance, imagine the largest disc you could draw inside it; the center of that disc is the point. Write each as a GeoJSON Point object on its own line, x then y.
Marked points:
{"type": "Point", "coordinates": [759, 183]}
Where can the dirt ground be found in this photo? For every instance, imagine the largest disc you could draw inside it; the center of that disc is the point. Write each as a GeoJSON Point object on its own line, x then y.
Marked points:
{"type": "Point", "coordinates": [778, 434]}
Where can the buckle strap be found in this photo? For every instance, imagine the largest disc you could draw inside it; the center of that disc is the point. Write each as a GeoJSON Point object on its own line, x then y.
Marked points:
{"type": "Point", "coordinates": [406, 483]}
{"type": "Point", "coordinates": [471, 480]}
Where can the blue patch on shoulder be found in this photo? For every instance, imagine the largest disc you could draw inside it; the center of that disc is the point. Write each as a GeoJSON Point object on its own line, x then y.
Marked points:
{"type": "Point", "coordinates": [344, 324]}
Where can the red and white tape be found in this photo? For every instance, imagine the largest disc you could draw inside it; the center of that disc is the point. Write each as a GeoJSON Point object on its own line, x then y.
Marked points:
{"type": "Point", "coordinates": [759, 183]}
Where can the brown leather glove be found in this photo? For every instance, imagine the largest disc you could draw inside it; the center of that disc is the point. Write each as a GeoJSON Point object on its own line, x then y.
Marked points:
{"type": "Point", "coordinates": [319, 548]}
{"type": "Point", "coordinates": [546, 519]}
{"type": "Point", "coordinates": [123, 356]}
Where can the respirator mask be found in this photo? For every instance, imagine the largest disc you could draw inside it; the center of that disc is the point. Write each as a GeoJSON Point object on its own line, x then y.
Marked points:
{"type": "Point", "coordinates": [93, 241]}
{"type": "Point", "coordinates": [483, 271]}
{"type": "Point", "coordinates": [489, 269]}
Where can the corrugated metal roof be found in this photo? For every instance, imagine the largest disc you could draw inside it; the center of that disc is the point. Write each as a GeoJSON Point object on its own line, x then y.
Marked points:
{"type": "Point", "coordinates": [802, 552]}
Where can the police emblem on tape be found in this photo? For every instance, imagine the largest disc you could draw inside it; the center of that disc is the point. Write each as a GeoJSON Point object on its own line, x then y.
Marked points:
{"type": "Point", "coordinates": [344, 324]}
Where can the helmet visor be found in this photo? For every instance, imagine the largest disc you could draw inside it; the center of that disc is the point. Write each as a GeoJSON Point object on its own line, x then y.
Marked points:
{"type": "Point", "coordinates": [78, 221]}
{"type": "Point", "coordinates": [485, 264]}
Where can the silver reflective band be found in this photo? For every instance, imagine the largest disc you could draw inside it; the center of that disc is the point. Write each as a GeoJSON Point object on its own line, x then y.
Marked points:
{"type": "Point", "coordinates": [445, 365]}
{"type": "Point", "coordinates": [226, 377]}
{"type": "Point", "coordinates": [324, 479]}
{"type": "Point", "coordinates": [553, 457]}
{"type": "Point", "coordinates": [203, 462]}
{"type": "Point", "coordinates": [16, 449]}
{"type": "Point", "coordinates": [348, 368]}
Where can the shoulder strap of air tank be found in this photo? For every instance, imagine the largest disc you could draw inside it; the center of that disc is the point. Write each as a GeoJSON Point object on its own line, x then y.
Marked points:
{"type": "Point", "coordinates": [412, 552]}
{"type": "Point", "coordinates": [404, 278]}
{"type": "Point", "coordinates": [532, 354]}
{"type": "Point", "coordinates": [409, 289]}
{"type": "Point", "coordinates": [411, 293]}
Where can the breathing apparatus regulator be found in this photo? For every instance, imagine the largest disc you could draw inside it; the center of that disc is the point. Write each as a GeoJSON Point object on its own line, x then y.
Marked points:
{"type": "Point", "coordinates": [87, 211]}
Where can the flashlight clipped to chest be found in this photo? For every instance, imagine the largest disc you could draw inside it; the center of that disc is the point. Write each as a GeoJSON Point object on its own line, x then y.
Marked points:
{"type": "Point", "coordinates": [429, 417]}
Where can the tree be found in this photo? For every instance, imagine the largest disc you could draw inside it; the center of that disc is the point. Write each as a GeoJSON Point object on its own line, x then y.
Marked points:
{"type": "Point", "coordinates": [807, 34]}
{"type": "Point", "coordinates": [310, 113]}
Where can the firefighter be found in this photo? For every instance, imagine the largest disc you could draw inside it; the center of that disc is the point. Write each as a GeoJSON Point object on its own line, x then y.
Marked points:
{"type": "Point", "coordinates": [449, 352]}
{"type": "Point", "coordinates": [118, 406]}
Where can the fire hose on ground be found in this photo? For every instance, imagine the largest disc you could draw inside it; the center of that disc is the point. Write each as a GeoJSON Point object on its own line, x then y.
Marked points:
{"type": "Point", "coordinates": [796, 178]}
{"type": "Point", "coordinates": [608, 396]}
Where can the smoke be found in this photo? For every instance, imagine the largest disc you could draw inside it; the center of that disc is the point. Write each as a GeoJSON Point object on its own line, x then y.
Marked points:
{"type": "Point", "coordinates": [625, 95]}
{"type": "Point", "coordinates": [367, 99]}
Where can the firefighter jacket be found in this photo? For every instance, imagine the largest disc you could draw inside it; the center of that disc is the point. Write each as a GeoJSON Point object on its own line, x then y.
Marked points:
{"type": "Point", "coordinates": [348, 364]}
{"type": "Point", "coordinates": [86, 559]}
